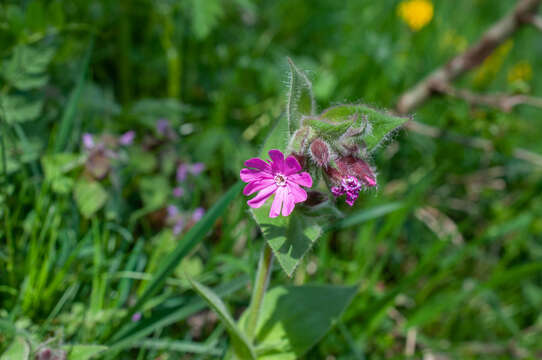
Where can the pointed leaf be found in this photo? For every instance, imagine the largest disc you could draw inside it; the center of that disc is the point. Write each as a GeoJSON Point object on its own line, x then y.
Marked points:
{"type": "Point", "coordinates": [329, 129]}
{"type": "Point", "coordinates": [18, 350]}
{"type": "Point", "coordinates": [241, 345]}
{"type": "Point", "coordinates": [290, 237]}
{"type": "Point", "coordinates": [295, 318]}
{"type": "Point", "coordinates": [83, 352]}
{"type": "Point", "coordinates": [300, 98]}
{"type": "Point", "coordinates": [381, 124]}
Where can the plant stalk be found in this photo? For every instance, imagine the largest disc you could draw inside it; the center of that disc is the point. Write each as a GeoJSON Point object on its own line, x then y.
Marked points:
{"type": "Point", "coordinates": [260, 286]}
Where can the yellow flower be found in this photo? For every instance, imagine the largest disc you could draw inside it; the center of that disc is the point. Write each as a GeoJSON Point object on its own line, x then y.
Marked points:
{"type": "Point", "coordinates": [522, 71]}
{"type": "Point", "coordinates": [416, 13]}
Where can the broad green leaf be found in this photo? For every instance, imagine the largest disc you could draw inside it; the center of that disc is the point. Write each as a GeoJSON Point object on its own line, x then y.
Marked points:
{"type": "Point", "coordinates": [20, 108]}
{"type": "Point", "coordinates": [300, 98]}
{"type": "Point", "coordinates": [193, 237]}
{"type": "Point", "coordinates": [292, 236]}
{"type": "Point", "coordinates": [89, 196]}
{"type": "Point", "coordinates": [70, 110]}
{"type": "Point", "coordinates": [83, 352]}
{"type": "Point", "coordinates": [382, 124]}
{"type": "Point", "coordinates": [295, 318]}
{"type": "Point", "coordinates": [241, 345]}
{"type": "Point", "coordinates": [56, 165]}
{"type": "Point", "coordinates": [18, 350]}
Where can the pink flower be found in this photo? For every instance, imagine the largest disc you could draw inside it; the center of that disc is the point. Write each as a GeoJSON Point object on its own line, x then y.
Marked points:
{"type": "Point", "coordinates": [88, 141]}
{"type": "Point", "coordinates": [278, 176]}
{"type": "Point", "coordinates": [127, 138]}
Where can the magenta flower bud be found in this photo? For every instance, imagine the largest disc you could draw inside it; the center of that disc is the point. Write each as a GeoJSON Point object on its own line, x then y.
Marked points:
{"type": "Point", "coordinates": [320, 152]}
{"type": "Point", "coordinates": [127, 138]}
{"type": "Point", "coordinates": [353, 166]}
{"type": "Point", "coordinates": [350, 177]}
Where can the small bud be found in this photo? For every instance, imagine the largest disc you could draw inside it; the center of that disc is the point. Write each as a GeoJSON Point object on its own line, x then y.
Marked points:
{"type": "Point", "coordinates": [350, 176]}
{"type": "Point", "coordinates": [320, 152]}
{"type": "Point", "coordinates": [354, 166]}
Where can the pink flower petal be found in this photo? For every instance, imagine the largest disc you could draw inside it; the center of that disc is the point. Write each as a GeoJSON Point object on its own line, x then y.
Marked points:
{"type": "Point", "coordinates": [292, 166]}
{"type": "Point", "coordinates": [289, 204]}
{"type": "Point", "coordinates": [278, 160]}
{"type": "Point", "coordinates": [250, 175]}
{"type": "Point", "coordinates": [280, 196]}
{"type": "Point", "coordinates": [259, 199]}
{"type": "Point", "coordinates": [258, 164]}
{"type": "Point", "coordinates": [303, 179]}
{"type": "Point", "coordinates": [257, 185]}
{"type": "Point", "coordinates": [297, 193]}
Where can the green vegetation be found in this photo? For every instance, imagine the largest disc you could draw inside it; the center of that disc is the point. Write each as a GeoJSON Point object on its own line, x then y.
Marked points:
{"type": "Point", "coordinates": [123, 128]}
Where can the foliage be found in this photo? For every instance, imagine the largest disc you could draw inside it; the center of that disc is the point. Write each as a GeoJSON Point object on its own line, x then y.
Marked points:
{"type": "Point", "coordinates": [444, 256]}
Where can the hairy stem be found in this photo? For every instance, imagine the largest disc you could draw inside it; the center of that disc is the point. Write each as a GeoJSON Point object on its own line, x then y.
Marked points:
{"type": "Point", "coordinates": [260, 286]}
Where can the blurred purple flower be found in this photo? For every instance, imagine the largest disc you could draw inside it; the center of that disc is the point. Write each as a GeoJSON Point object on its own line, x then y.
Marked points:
{"type": "Point", "coordinates": [178, 192]}
{"type": "Point", "coordinates": [88, 141]}
{"type": "Point", "coordinates": [182, 171]}
{"type": "Point", "coordinates": [172, 211]}
{"type": "Point", "coordinates": [127, 138]}
{"type": "Point", "coordinates": [163, 127]}
{"type": "Point", "coordinates": [178, 227]}
{"type": "Point", "coordinates": [136, 317]}
{"type": "Point", "coordinates": [197, 168]}
{"type": "Point", "coordinates": [198, 214]}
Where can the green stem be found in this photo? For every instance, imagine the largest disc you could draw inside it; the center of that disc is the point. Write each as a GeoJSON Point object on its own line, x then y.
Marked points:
{"type": "Point", "coordinates": [260, 286]}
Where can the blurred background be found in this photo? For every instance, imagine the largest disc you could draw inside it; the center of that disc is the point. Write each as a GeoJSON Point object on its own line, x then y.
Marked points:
{"type": "Point", "coordinates": [122, 122]}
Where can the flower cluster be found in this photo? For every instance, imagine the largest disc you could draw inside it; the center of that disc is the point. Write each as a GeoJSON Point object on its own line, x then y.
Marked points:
{"type": "Point", "coordinates": [179, 221]}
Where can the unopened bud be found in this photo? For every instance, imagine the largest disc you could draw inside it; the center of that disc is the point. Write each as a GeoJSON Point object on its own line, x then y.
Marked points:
{"type": "Point", "coordinates": [320, 152]}
{"type": "Point", "coordinates": [354, 166]}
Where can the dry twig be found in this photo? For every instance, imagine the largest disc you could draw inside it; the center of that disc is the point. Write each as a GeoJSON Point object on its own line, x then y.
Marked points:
{"type": "Point", "coordinates": [474, 56]}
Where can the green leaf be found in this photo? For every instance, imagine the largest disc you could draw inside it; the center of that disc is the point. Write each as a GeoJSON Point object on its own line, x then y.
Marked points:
{"type": "Point", "coordinates": [205, 16]}
{"type": "Point", "coordinates": [241, 345]}
{"type": "Point", "coordinates": [18, 350]}
{"type": "Point", "coordinates": [381, 124]}
{"type": "Point", "coordinates": [90, 196]}
{"type": "Point", "coordinates": [290, 237]}
{"type": "Point", "coordinates": [328, 129]}
{"type": "Point", "coordinates": [295, 318]}
{"type": "Point", "coordinates": [154, 191]}
{"type": "Point", "coordinates": [56, 165]}
{"type": "Point", "coordinates": [20, 108]}
{"type": "Point", "coordinates": [83, 352]}
{"type": "Point", "coordinates": [300, 98]}
{"type": "Point", "coordinates": [26, 69]}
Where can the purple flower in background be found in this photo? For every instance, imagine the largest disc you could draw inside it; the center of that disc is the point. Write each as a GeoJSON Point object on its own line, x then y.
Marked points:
{"type": "Point", "coordinates": [178, 192]}
{"type": "Point", "coordinates": [136, 317]}
{"type": "Point", "coordinates": [197, 168]}
{"type": "Point", "coordinates": [175, 218]}
{"type": "Point", "coordinates": [279, 176]}
{"type": "Point", "coordinates": [127, 138]}
{"type": "Point", "coordinates": [172, 211]}
{"type": "Point", "coordinates": [182, 171]}
{"type": "Point", "coordinates": [198, 214]}
{"type": "Point", "coordinates": [88, 141]}
{"type": "Point", "coordinates": [162, 126]}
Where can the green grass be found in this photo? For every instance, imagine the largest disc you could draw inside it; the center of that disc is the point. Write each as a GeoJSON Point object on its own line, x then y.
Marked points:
{"type": "Point", "coordinates": [75, 277]}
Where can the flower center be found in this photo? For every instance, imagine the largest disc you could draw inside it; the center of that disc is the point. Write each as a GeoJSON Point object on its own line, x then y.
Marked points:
{"type": "Point", "coordinates": [280, 180]}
